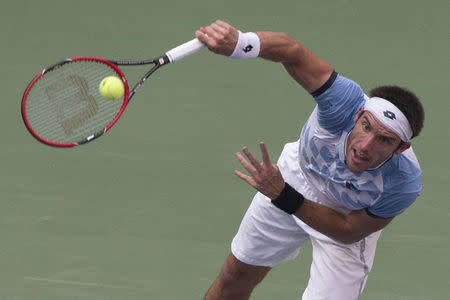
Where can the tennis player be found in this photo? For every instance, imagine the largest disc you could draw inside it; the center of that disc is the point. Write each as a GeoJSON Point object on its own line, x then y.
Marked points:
{"type": "Point", "coordinates": [349, 174]}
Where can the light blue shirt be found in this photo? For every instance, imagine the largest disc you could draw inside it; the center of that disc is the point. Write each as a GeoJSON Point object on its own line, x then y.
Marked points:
{"type": "Point", "coordinates": [385, 191]}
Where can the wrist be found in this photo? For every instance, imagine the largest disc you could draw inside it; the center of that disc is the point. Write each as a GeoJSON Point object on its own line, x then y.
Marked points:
{"type": "Point", "coordinates": [289, 199]}
{"type": "Point", "coordinates": [247, 46]}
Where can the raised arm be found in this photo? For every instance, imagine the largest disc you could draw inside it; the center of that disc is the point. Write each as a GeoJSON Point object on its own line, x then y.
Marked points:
{"type": "Point", "coordinates": [309, 70]}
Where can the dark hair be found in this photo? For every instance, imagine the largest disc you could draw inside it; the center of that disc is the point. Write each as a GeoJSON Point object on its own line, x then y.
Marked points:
{"type": "Point", "coordinates": [406, 101]}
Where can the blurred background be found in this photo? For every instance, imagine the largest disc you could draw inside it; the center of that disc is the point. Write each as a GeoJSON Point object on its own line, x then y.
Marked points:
{"type": "Point", "coordinates": [149, 210]}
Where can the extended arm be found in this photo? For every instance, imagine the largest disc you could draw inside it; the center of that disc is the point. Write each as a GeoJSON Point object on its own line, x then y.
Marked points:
{"type": "Point", "coordinates": [309, 70]}
{"type": "Point", "coordinates": [266, 178]}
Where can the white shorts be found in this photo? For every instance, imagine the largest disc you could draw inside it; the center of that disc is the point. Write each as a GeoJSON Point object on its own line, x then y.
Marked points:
{"type": "Point", "coordinates": [268, 236]}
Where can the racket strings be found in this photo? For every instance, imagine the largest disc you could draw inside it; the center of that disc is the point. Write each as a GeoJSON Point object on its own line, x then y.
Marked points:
{"type": "Point", "coordinates": [65, 105]}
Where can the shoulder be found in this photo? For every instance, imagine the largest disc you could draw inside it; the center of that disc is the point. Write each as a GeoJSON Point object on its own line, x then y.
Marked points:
{"type": "Point", "coordinates": [401, 185]}
{"type": "Point", "coordinates": [336, 90]}
{"type": "Point", "coordinates": [402, 169]}
{"type": "Point", "coordinates": [338, 101]}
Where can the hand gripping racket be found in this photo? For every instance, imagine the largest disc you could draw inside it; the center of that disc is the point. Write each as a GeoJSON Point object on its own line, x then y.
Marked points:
{"type": "Point", "coordinates": [63, 107]}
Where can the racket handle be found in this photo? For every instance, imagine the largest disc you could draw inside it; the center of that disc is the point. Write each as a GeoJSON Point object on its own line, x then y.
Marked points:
{"type": "Point", "coordinates": [184, 50]}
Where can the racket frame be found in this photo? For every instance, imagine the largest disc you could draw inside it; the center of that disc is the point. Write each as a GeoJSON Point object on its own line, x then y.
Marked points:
{"type": "Point", "coordinates": [158, 62]}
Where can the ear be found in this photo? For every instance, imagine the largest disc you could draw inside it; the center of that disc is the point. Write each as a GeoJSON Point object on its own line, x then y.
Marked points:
{"type": "Point", "coordinates": [402, 147]}
{"type": "Point", "coordinates": [358, 114]}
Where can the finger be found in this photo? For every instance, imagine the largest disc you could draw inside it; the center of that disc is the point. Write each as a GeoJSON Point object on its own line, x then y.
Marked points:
{"type": "Point", "coordinates": [223, 24]}
{"type": "Point", "coordinates": [252, 159]}
{"type": "Point", "coordinates": [265, 154]}
{"type": "Point", "coordinates": [206, 38]}
{"type": "Point", "coordinates": [246, 165]}
{"type": "Point", "coordinates": [218, 28]}
{"type": "Point", "coordinates": [229, 32]}
{"type": "Point", "coordinates": [246, 178]}
{"type": "Point", "coordinates": [202, 32]}
{"type": "Point", "coordinates": [201, 36]}
{"type": "Point", "coordinates": [214, 32]}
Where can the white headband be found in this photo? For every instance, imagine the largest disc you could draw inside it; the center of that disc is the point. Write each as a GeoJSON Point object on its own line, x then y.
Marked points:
{"type": "Point", "coordinates": [388, 114]}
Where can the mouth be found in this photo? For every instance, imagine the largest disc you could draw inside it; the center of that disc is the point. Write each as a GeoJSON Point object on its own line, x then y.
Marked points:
{"type": "Point", "coordinates": [359, 157]}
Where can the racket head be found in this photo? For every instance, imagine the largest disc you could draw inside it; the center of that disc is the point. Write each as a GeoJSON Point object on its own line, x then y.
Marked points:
{"type": "Point", "coordinates": [63, 107]}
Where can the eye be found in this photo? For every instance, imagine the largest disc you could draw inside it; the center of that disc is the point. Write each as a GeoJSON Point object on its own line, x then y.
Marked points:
{"type": "Point", "coordinates": [386, 140]}
{"type": "Point", "coordinates": [365, 126]}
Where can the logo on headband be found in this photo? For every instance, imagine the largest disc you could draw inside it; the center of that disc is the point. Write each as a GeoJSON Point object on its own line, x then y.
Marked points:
{"type": "Point", "coordinates": [389, 114]}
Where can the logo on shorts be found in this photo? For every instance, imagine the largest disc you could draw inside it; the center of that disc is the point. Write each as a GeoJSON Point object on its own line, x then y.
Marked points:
{"type": "Point", "coordinates": [389, 114]}
{"type": "Point", "coordinates": [248, 48]}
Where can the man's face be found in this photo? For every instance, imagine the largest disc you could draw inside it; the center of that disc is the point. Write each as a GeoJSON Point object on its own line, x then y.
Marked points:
{"type": "Point", "coordinates": [370, 143]}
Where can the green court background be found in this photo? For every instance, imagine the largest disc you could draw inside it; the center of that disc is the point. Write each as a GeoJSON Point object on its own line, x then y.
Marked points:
{"type": "Point", "coordinates": [148, 211]}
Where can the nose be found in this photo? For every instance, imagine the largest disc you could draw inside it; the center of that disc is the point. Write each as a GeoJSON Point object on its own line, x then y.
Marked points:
{"type": "Point", "coordinates": [367, 143]}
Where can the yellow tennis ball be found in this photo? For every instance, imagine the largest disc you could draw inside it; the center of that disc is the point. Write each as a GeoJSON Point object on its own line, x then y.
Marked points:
{"type": "Point", "coordinates": [111, 88]}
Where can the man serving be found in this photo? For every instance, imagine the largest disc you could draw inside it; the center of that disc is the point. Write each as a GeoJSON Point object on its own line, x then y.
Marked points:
{"type": "Point", "coordinates": [349, 174]}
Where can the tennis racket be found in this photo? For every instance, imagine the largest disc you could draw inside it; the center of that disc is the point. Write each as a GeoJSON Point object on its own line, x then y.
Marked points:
{"type": "Point", "coordinates": [63, 107]}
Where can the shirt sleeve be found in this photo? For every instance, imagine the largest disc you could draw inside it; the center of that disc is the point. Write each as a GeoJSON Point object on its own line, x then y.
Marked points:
{"type": "Point", "coordinates": [338, 101]}
{"type": "Point", "coordinates": [393, 204]}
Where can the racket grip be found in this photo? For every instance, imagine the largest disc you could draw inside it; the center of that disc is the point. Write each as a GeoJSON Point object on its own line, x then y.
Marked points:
{"type": "Point", "coordinates": [184, 50]}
